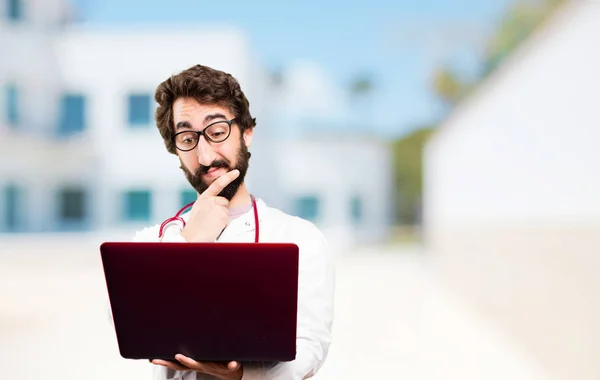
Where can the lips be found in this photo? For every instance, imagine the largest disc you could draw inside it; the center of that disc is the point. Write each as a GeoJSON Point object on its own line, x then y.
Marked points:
{"type": "Point", "coordinates": [210, 172]}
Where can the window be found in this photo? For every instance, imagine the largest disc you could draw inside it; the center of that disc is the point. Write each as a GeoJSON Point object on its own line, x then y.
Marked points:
{"type": "Point", "coordinates": [356, 209]}
{"type": "Point", "coordinates": [72, 205]}
{"type": "Point", "coordinates": [12, 106]}
{"type": "Point", "coordinates": [72, 115]}
{"type": "Point", "coordinates": [14, 10]}
{"type": "Point", "coordinates": [307, 207]}
{"type": "Point", "coordinates": [137, 205]}
{"type": "Point", "coordinates": [139, 110]}
{"type": "Point", "coordinates": [12, 199]}
{"type": "Point", "coordinates": [188, 196]}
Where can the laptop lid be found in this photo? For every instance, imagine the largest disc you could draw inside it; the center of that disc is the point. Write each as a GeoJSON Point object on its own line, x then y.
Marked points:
{"type": "Point", "coordinates": [208, 301]}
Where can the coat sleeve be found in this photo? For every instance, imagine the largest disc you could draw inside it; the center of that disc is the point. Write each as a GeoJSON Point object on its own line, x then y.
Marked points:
{"type": "Point", "coordinates": [315, 309]}
{"type": "Point", "coordinates": [171, 234]}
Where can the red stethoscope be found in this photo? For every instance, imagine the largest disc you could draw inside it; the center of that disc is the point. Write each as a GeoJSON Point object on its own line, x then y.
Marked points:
{"type": "Point", "coordinates": [178, 218]}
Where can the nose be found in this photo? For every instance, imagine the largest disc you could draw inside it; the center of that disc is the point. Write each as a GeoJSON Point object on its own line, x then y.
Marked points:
{"type": "Point", "coordinates": [206, 155]}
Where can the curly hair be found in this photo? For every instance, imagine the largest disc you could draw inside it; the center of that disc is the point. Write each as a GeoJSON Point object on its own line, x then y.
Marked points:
{"type": "Point", "coordinates": [207, 86]}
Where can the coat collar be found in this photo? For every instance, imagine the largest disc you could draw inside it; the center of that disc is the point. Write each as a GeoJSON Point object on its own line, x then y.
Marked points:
{"type": "Point", "coordinates": [245, 222]}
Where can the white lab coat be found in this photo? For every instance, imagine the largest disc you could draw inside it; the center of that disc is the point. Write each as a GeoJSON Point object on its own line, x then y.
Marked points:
{"type": "Point", "coordinates": [315, 288]}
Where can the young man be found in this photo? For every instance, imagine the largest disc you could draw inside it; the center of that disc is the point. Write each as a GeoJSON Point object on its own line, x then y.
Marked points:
{"type": "Point", "coordinates": [204, 118]}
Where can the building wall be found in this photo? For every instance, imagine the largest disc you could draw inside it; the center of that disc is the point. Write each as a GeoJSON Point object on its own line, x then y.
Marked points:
{"type": "Point", "coordinates": [512, 211]}
{"type": "Point", "coordinates": [29, 62]}
{"type": "Point", "coordinates": [103, 66]}
{"type": "Point", "coordinates": [33, 164]}
{"type": "Point", "coordinates": [109, 65]}
{"type": "Point", "coordinates": [339, 173]}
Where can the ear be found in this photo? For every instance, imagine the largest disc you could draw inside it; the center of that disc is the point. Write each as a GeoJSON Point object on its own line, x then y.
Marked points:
{"type": "Point", "coordinates": [248, 137]}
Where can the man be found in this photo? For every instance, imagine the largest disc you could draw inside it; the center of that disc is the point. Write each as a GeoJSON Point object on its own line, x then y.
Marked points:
{"type": "Point", "coordinates": [204, 118]}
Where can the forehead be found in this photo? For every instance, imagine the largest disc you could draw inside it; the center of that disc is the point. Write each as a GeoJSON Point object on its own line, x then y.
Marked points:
{"type": "Point", "coordinates": [188, 109]}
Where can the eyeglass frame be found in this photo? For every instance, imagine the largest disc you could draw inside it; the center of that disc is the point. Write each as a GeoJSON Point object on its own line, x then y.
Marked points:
{"type": "Point", "coordinates": [203, 133]}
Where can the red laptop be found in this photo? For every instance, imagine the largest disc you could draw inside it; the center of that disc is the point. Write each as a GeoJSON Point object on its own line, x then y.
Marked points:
{"type": "Point", "coordinates": [208, 301]}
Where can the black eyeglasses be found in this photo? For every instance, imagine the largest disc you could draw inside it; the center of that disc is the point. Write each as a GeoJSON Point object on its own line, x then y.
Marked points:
{"type": "Point", "coordinates": [216, 132]}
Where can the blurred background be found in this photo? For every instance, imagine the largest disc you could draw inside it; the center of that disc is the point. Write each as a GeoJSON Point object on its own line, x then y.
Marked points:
{"type": "Point", "coordinates": [445, 148]}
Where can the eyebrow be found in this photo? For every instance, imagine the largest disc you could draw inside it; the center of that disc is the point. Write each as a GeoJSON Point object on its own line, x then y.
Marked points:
{"type": "Point", "coordinates": [214, 116]}
{"type": "Point", "coordinates": [207, 118]}
{"type": "Point", "coordinates": [183, 125]}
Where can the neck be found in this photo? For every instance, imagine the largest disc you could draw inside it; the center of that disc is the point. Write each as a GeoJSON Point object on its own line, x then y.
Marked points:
{"type": "Point", "coordinates": [241, 198]}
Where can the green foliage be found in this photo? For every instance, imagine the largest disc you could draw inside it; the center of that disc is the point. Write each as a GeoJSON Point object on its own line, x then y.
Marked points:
{"type": "Point", "coordinates": [361, 85]}
{"type": "Point", "coordinates": [448, 86]}
{"type": "Point", "coordinates": [407, 155]}
{"type": "Point", "coordinates": [521, 19]}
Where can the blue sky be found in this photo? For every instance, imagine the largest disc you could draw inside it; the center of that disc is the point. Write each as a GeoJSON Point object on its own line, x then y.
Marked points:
{"type": "Point", "coordinates": [397, 43]}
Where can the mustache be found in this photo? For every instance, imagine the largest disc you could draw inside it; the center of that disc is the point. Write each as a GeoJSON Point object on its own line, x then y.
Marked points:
{"type": "Point", "coordinates": [216, 164]}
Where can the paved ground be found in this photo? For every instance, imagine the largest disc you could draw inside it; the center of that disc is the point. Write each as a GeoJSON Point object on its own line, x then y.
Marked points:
{"type": "Point", "coordinates": [392, 320]}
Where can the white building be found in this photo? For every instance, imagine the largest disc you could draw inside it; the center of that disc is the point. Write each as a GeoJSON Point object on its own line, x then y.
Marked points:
{"type": "Point", "coordinates": [329, 172]}
{"type": "Point", "coordinates": [512, 205]}
{"type": "Point", "coordinates": [79, 148]}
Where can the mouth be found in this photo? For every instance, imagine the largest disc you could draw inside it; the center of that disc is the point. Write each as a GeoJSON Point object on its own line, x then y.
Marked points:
{"type": "Point", "coordinates": [213, 171]}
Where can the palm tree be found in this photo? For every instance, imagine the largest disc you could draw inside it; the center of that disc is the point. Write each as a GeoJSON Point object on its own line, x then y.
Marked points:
{"type": "Point", "coordinates": [361, 91]}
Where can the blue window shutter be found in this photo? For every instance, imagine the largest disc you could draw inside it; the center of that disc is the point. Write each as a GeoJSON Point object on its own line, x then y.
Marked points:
{"type": "Point", "coordinates": [12, 200]}
{"type": "Point", "coordinates": [356, 209]}
{"type": "Point", "coordinates": [73, 114]}
{"type": "Point", "coordinates": [72, 205]}
{"type": "Point", "coordinates": [187, 196]}
{"type": "Point", "coordinates": [139, 110]}
{"type": "Point", "coordinates": [12, 106]}
{"type": "Point", "coordinates": [307, 207]}
{"type": "Point", "coordinates": [14, 10]}
{"type": "Point", "coordinates": [137, 205]}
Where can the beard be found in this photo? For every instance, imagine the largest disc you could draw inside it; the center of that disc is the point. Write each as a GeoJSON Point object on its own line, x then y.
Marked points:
{"type": "Point", "coordinates": [241, 163]}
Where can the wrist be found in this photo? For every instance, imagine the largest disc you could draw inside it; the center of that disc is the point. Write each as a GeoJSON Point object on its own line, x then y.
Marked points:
{"type": "Point", "coordinates": [190, 238]}
{"type": "Point", "coordinates": [184, 234]}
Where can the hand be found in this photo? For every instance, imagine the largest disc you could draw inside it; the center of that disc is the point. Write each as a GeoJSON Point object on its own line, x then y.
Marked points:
{"type": "Point", "coordinates": [209, 214]}
{"type": "Point", "coordinates": [231, 371]}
